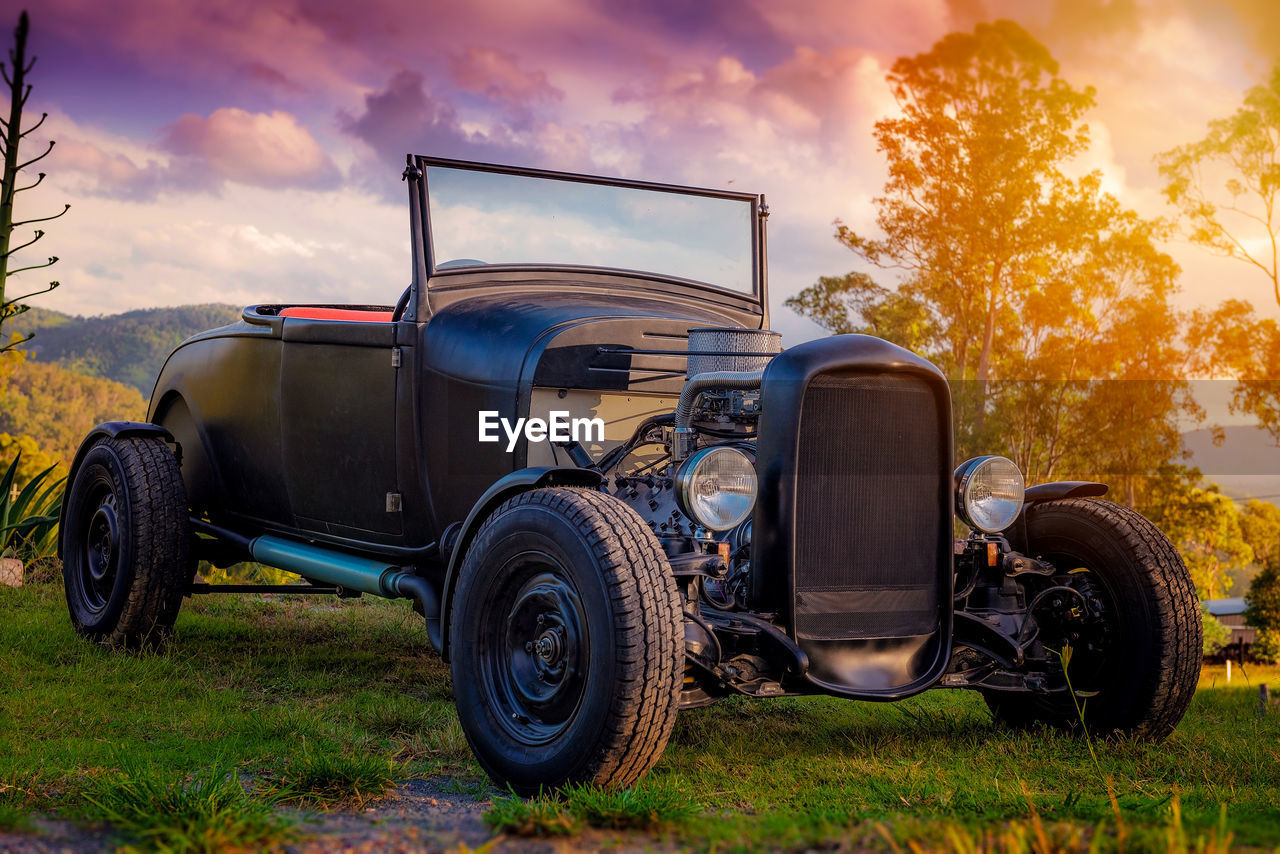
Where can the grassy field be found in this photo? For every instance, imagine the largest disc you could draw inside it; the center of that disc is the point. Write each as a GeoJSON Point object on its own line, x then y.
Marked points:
{"type": "Point", "coordinates": [316, 704]}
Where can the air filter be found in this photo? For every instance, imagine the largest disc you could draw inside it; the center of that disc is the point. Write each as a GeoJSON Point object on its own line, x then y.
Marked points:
{"type": "Point", "coordinates": [732, 349]}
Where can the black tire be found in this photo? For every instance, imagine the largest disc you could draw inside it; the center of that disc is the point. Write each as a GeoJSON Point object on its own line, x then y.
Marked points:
{"type": "Point", "coordinates": [126, 543]}
{"type": "Point", "coordinates": [566, 641]}
{"type": "Point", "coordinates": [1147, 674]}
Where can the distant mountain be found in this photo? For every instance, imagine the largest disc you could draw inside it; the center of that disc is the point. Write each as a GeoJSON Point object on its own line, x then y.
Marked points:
{"type": "Point", "coordinates": [129, 348]}
{"type": "Point", "coordinates": [1245, 465]}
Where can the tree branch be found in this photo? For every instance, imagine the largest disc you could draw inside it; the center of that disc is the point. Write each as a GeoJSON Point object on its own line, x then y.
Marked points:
{"type": "Point", "coordinates": [39, 234]}
{"type": "Point", "coordinates": [40, 157]}
{"type": "Point", "coordinates": [53, 259]}
{"type": "Point", "coordinates": [39, 178]}
{"type": "Point", "coordinates": [66, 207]}
{"type": "Point", "coordinates": [13, 345]}
{"type": "Point", "coordinates": [23, 134]}
{"type": "Point", "coordinates": [15, 300]}
{"type": "Point", "coordinates": [52, 285]}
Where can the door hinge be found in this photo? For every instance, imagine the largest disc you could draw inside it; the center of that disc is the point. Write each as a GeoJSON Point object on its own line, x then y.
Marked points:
{"type": "Point", "coordinates": [395, 357]}
{"type": "Point", "coordinates": [393, 502]}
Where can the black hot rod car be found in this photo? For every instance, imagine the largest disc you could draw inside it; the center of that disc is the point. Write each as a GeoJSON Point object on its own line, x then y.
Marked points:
{"type": "Point", "coordinates": [574, 445]}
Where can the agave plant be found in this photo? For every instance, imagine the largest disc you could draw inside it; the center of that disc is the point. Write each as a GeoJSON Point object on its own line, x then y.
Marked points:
{"type": "Point", "coordinates": [29, 521]}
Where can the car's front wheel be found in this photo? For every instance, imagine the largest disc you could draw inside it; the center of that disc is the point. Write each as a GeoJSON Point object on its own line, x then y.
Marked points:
{"type": "Point", "coordinates": [566, 642]}
{"type": "Point", "coordinates": [1135, 660]}
{"type": "Point", "coordinates": [126, 542]}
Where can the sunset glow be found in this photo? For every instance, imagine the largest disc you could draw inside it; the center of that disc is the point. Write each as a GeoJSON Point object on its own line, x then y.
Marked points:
{"type": "Point", "coordinates": [244, 152]}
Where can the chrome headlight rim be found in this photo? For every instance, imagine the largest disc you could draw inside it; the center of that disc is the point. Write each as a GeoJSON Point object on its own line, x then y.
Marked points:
{"type": "Point", "coordinates": [686, 478]}
{"type": "Point", "coordinates": [967, 476]}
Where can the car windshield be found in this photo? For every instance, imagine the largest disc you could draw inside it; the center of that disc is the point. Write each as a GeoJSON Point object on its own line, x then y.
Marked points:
{"type": "Point", "coordinates": [482, 219]}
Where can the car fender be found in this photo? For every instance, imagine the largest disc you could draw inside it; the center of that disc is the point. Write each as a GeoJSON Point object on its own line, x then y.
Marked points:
{"type": "Point", "coordinates": [1062, 489]}
{"type": "Point", "coordinates": [1042, 492]}
{"type": "Point", "coordinates": [108, 430]}
{"type": "Point", "coordinates": [523, 480]}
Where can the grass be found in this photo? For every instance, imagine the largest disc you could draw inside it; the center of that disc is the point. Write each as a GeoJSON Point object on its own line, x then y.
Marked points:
{"type": "Point", "coordinates": [209, 811]}
{"type": "Point", "coordinates": [329, 779]}
{"type": "Point", "coordinates": [541, 815]}
{"type": "Point", "coordinates": [327, 701]}
{"type": "Point", "coordinates": [563, 812]}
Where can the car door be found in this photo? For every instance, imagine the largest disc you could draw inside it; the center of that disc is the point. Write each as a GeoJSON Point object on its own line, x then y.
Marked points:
{"type": "Point", "coordinates": [338, 426]}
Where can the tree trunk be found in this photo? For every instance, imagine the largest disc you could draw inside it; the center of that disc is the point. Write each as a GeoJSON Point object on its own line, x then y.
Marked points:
{"type": "Point", "coordinates": [984, 356]}
{"type": "Point", "coordinates": [13, 134]}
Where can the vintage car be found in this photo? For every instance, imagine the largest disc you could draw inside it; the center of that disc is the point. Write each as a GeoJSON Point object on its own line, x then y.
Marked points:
{"type": "Point", "coordinates": [575, 446]}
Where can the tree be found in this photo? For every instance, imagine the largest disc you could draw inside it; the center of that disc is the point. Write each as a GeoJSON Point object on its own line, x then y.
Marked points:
{"type": "Point", "coordinates": [15, 75]}
{"type": "Point", "coordinates": [1227, 185]}
{"type": "Point", "coordinates": [966, 215]}
{"type": "Point", "coordinates": [1205, 526]}
{"type": "Point", "coordinates": [1233, 340]}
{"type": "Point", "coordinates": [1260, 524]}
{"type": "Point", "coordinates": [1043, 299]}
{"type": "Point", "coordinates": [1263, 613]}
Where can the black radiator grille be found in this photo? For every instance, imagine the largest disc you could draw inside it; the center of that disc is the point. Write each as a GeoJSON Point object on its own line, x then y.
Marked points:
{"type": "Point", "coordinates": [868, 511]}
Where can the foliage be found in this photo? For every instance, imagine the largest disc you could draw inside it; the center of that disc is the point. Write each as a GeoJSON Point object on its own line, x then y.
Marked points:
{"type": "Point", "coordinates": [1227, 185]}
{"type": "Point", "coordinates": [1263, 612]}
{"type": "Point", "coordinates": [1216, 635]}
{"type": "Point", "coordinates": [1043, 299]}
{"type": "Point", "coordinates": [1246, 348]}
{"type": "Point", "coordinates": [129, 348]}
{"type": "Point", "coordinates": [33, 460]}
{"type": "Point", "coordinates": [1205, 526]}
{"type": "Point", "coordinates": [29, 519]}
{"type": "Point", "coordinates": [245, 573]}
{"type": "Point", "coordinates": [56, 408]}
{"type": "Point", "coordinates": [209, 811]}
{"type": "Point", "coordinates": [15, 75]}
{"type": "Point", "coordinates": [1260, 526]}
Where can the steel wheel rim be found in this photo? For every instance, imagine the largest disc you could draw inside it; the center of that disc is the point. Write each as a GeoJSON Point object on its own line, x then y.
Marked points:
{"type": "Point", "coordinates": [1098, 634]}
{"type": "Point", "coordinates": [534, 661]}
{"type": "Point", "coordinates": [99, 565]}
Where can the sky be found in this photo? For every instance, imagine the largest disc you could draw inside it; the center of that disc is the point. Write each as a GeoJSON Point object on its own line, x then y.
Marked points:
{"type": "Point", "coordinates": [245, 151]}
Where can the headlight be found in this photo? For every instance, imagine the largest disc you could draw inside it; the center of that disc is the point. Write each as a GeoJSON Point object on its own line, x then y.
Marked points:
{"type": "Point", "coordinates": [716, 487]}
{"type": "Point", "coordinates": [989, 492]}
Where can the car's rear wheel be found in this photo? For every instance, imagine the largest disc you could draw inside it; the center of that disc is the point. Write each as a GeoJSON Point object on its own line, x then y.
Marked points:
{"type": "Point", "coordinates": [566, 642]}
{"type": "Point", "coordinates": [1135, 661]}
{"type": "Point", "coordinates": [126, 543]}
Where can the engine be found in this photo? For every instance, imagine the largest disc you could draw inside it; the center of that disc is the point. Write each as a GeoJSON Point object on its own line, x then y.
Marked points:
{"type": "Point", "coordinates": [691, 474]}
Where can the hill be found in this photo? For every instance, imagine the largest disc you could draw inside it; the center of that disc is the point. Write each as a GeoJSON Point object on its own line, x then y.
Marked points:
{"type": "Point", "coordinates": [1245, 465]}
{"type": "Point", "coordinates": [129, 348]}
{"type": "Point", "coordinates": [45, 410]}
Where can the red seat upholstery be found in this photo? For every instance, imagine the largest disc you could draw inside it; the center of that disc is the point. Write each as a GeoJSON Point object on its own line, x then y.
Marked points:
{"type": "Point", "coordinates": [315, 313]}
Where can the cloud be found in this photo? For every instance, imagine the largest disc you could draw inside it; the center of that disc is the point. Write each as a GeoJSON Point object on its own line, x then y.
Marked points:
{"type": "Point", "coordinates": [496, 75]}
{"type": "Point", "coordinates": [109, 173]}
{"type": "Point", "coordinates": [273, 77]}
{"type": "Point", "coordinates": [404, 118]}
{"type": "Point", "coordinates": [270, 150]}
{"type": "Point", "coordinates": [196, 154]}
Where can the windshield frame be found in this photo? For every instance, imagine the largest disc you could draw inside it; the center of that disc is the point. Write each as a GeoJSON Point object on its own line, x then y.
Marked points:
{"type": "Point", "coordinates": [436, 281]}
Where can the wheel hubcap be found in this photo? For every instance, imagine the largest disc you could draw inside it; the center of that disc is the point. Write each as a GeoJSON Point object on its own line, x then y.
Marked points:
{"type": "Point", "coordinates": [96, 560]}
{"type": "Point", "coordinates": [535, 674]}
{"type": "Point", "coordinates": [103, 537]}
